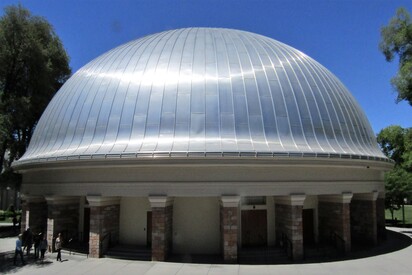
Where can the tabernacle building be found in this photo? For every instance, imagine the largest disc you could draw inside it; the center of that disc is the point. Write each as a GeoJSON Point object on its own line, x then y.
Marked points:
{"type": "Point", "coordinates": [204, 141]}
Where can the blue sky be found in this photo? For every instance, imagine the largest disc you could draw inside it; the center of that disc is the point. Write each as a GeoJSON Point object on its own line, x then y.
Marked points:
{"type": "Point", "coordinates": [343, 35]}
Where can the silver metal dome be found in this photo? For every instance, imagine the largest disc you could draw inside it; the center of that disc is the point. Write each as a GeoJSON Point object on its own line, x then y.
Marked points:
{"type": "Point", "coordinates": [202, 92]}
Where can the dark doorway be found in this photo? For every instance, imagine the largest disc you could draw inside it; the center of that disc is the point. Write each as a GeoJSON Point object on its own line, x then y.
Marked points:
{"type": "Point", "coordinates": [149, 229]}
{"type": "Point", "coordinates": [307, 223]}
{"type": "Point", "coordinates": [254, 228]}
{"type": "Point", "coordinates": [86, 225]}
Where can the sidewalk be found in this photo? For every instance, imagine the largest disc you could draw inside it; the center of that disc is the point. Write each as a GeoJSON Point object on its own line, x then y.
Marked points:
{"type": "Point", "coordinates": [398, 262]}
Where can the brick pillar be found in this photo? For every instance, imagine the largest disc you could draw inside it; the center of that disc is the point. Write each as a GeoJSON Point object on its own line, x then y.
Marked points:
{"type": "Point", "coordinates": [162, 227]}
{"type": "Point", "coordinates": [364, 218]}
{"type": "Point", "coordinates": [229, 209]}
{"type": "Point", "coordinates": [104, 224]}
{"type": "Point", "coordinates": [62, 217]}
{"type": "Point", "coordinates": [288, 213]}
{"type": "Point", "coordinates": [334, 217]}
{"type": "Point", "coordinates": [25, 213]}
{"type": "Point", "coordinates": [380, 214]}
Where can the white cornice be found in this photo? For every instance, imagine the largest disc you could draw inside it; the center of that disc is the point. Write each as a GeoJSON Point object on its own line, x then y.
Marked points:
{"type": "Point", "coordinates": [345, 197]}
{"type": "Point", "coordinates": [32, 199]}
{"type": "Point", "coordinates": [293, 199]}
{"type": "Point", "coordinates": [160, 201]}
{"type": "Point", "coordinates": [373, 196]}
{"type": "Point", "coordinates": [230, 201]}
{"type": "Point", "coordinates": [102, 201]}
{"type": "Point", "coordinates": [62, 200]}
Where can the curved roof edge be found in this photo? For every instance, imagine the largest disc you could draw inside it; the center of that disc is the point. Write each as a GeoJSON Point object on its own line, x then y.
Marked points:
{"type": "Point", "coordinates": [200, 155]}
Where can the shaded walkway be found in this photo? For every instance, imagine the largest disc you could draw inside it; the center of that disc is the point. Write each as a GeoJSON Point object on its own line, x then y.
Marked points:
{"type": "Point", "coordinates": [392, 257]}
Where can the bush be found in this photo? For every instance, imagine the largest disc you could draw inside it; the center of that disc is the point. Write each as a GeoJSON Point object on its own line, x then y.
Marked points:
{"type": "Point", "coordinates": [5, 214]}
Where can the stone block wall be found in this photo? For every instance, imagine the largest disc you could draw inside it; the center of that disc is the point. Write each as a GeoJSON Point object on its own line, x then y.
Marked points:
{"type": "Point", "coordinates": [380, 216]}
{"type": "Point", "coordinates": [104, 228]}
{"type": "Point", "coordinates": [229, 233]}
{"type": "Point", "coordinates": [289, 222]}
{"type": "Point", "coordinates": [25, 214]}
{"type": "Point", "coordinates": [334, 217]}
{"type": "Point", "coordinates": [62, 218]}
{"type": "Point", "coordinates": [38, 217]}
{"type": "Point", "coordinates": [363, 221]}
{"type": "Point", "coordinates": [162, 230]}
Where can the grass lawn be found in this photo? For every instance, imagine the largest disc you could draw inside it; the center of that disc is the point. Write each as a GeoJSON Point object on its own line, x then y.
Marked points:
{"type": "Point", "coordinates": [7, 220]}
{"type": "Point", "coordinates": [398, 214]}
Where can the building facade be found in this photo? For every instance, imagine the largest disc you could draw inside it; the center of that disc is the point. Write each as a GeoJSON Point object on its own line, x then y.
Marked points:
{"type": "Point", "coordinates": [204, 141]}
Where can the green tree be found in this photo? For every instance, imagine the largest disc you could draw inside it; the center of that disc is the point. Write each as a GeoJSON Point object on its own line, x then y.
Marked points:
{"type": "Point", "coordinates": [33, 66]}
{"type": "Point", "coordinates": [396, 143]}
{"type": "Point", "coordinates": [396, 40]}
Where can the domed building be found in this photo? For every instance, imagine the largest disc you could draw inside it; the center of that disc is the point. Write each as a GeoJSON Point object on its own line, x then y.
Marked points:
{"type": "Point", "coordinates": [205, 141]}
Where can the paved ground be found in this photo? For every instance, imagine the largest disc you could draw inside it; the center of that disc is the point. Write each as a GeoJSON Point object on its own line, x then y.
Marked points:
{"type": "Point", "coordinates": [397, 262]}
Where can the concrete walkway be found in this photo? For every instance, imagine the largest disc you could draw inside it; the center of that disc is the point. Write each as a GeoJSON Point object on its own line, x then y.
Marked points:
{"type": "Point", "coordinates": [398, 262]}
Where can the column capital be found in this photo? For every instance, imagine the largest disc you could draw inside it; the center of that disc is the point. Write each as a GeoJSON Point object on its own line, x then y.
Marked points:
{"type": "Point", "coordinates": [160, 201]}
{"type": "Point", "coordinates": [292, 199]}
{"type": "Point", "coordinates": [345, 197]}
{"type": "Point", "coordinates": [102, 201]}
{"type": "Point", "coordinates": [61, 200]}
{"type": "Point", "coordinates": [372, 196]}
{"type": "Point", "coordinates": [230, 201]}
{"type": "Point", "coordinates": [32, 199]}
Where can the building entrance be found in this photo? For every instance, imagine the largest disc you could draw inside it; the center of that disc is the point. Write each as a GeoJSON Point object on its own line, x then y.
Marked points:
{"type": "Point", "coordinates": [307, 223]}
{"type": "Point", "coordinates": [86, 225]}
{"type": "Point", "coordinates": [254, 228]}
{"type": "Point", "coordinates": [149, 229]}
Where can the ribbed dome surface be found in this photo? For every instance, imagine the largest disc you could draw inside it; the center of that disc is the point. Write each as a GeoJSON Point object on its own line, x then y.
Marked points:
{"type": "Point", "coordinates": [202, 92]}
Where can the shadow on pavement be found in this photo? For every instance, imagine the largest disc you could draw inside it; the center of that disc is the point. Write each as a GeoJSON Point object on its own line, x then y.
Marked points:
{"type": "Point", "coordinates": [7, 265]}
{"type": "Point", "coordinates": [395, 241]}
{"type": "Point", "coordinates": [8, 231]}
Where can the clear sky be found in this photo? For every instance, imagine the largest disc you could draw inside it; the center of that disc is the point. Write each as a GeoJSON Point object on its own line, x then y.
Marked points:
{"type": "Point", "coordinates": [343, 35]}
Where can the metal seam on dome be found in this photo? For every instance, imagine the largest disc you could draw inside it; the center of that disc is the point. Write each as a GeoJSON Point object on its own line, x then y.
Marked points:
{"type": "Point", "coordinates": [320, 74]}
{"type": "Point", "coordinates": [142, 91]}
{"type": "Point", "coordinates": [307, 104]}
{"type": "Point", "coordinates": [121, 111]}
{"type": "Point", "coordinates": [245, 92]}
{"type": "Point", "coordinates": [164, 87]}
{"type": "Point", "coordinates": [109, 62]}
{"type": "Point", "coordinates": [347, 109]}
{"type": "Point", "coordinates": [178, 82]}
{"type": "Point", "coordinates": [267, 82]}
{"type": "Point", "coordinates": [73, 100]}
{"type": "Point", "coordinates": [291, 106]}
{"type": "Point", "coordinates": [271, 92]}
{"type": "Point", "coordinates": [156, 121]}
{"type": "Point", "coordinates": [289, 52]}
{"type": "Point", "coordinates": [126, 52]}
{"type": "Point", "coordinates": [275, 56]}
{"type": "Point", "coordinates": [347, 114]}
{"type": "Point", "coordinates": [253, 45]}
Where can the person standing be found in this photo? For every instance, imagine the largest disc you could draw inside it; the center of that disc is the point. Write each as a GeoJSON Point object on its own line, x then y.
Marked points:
{"type": "Point", "coordinates": [58, 246]}
{"type": "Point", "coordinates": [43, 247]}
{"type": "Point", "coordinates": [37, 239]}
{"type": "Point", "coordinates": [28, 241]}
{"type": "Point", "coordinates": [19, 250]}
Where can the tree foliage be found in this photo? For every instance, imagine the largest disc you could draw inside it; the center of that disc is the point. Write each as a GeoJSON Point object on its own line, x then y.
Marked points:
{"type": "Point", "coordinates": [396, 143]}
{"type": "Point", "coordinates": [396, 40]}
{"type": "Point", "coordinates": [33, 66]}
